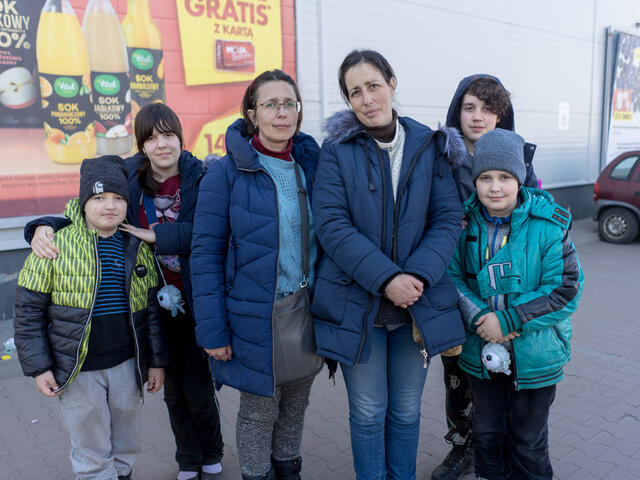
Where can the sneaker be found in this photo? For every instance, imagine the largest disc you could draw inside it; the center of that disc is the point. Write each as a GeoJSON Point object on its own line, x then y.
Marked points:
{"type": "Point", "coordinates": [457, 463]}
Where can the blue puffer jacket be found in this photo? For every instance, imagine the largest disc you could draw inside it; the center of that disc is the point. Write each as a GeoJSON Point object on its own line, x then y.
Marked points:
{"type": "Point", "coordinates": [367, 239]}
{"type": "Point", "coordinates": [234, 259]}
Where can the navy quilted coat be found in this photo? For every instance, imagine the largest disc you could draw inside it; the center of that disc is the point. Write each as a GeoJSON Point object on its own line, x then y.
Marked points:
{"type": "Point", "coordinates": [234, 258]}
{"type": "Point", "coordinates": [367, 237]}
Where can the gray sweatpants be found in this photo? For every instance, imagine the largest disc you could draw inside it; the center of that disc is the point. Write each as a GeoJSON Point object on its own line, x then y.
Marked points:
{"type": "Point", "coordinates": [271, 426]}
{"type": "Point", "coordinates": [102, 410]}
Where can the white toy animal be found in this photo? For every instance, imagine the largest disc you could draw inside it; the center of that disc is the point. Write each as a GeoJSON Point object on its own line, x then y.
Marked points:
{"type": "Point", "coordinates": [170, 298]}
{"type": "Point", "coordinates": [496, 358]}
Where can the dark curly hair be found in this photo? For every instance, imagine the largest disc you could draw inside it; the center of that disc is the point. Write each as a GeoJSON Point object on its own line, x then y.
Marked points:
{"type": "Point", "coordinates": [495, 96]}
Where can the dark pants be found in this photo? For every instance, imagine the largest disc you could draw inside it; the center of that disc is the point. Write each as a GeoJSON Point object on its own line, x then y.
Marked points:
{"type": "Point", "coordinates": [510, 430]}
{"type": "Point", "coordinates": [190, 398]}
{"type": "Point", "coordinates": [458, 400]}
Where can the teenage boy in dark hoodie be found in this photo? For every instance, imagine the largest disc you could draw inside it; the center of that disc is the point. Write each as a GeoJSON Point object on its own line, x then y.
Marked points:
{"type": "Point", "coordinates": [479, 105]}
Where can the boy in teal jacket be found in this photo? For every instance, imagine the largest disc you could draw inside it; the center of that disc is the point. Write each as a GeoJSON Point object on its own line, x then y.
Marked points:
{"type": "Point", "coordinates": [519, 280]}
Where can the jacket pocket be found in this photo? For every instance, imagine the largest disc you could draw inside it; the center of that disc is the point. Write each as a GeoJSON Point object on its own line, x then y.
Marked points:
{"type": "Point", "coordinates": [540, 350]}
{"type": "Point", "coordinates": [331, 293]}
{"type": "Point", "coordinates": [231, 263]}
{"type": "Point", "coordinates": [564, 344]}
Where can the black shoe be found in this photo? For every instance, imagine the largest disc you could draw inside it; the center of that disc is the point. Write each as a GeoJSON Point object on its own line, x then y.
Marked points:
{"type": "Point", "coordinates": [124, 477]}
{"type": "Point", "coordinates": [210, 476]}
{"type": "Point", "coordinates": [457, 463]}
{"type": "Point", "coordinates": [287, 469]}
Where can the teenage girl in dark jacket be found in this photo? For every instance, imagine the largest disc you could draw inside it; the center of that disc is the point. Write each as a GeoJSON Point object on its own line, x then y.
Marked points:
{"type": "Point", "coordinates": [168, 178]}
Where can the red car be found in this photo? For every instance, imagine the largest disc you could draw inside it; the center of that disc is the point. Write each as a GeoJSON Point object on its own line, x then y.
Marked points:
{"type": "Point", "coordinates": [617, 197]}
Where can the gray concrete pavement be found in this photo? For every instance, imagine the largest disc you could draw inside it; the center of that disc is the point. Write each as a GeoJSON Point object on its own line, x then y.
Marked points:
{"type": "Point", "coordinates": [594, 423]}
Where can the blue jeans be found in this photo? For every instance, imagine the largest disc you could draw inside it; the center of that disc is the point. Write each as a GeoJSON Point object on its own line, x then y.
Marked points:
{"type": "Point", "coordinates": [510, 432]}
{"type": "Point", "coordinates": [384, 406]}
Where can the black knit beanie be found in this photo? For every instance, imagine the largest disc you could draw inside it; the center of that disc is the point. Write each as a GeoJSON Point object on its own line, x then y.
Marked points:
{"type": "Point", "coordinates": [103, 174]}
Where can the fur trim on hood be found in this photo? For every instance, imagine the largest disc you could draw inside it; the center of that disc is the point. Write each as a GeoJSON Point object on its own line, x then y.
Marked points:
{"type": "Point", "coordinates": [454, 147]}
{"type": "Point", "coordinates": [344, 125]}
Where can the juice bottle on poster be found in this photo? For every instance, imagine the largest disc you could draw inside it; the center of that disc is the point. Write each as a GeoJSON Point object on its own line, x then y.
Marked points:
{"type": "Point", "coordinates": [144, 45]}
{"type": "Point", "coordinates": [19, 91]}
{"type": "Point", "coordinates": [65, 85]}
{"type": "Point", "coordinates": [109, 78]}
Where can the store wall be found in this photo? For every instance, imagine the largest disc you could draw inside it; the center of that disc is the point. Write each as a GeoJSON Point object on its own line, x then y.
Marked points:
{"type": "Point", "coordinates": [549, 55]}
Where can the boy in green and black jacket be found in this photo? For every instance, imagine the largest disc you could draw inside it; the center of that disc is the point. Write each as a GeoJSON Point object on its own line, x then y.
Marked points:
{"type": "Point", "coordinates": [87, 326]}
{"type": "Point", "coordinates": [519, 280]}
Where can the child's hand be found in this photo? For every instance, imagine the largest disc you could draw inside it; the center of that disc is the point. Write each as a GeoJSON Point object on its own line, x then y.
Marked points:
{"type": "Point", "coordinates": [156, 379]}
{"type": "Point", "coordinates": [47, 385]}
{"type": "Point", "coordinates": [509, 337]}
{"type": "Point", "coordinates": [146, 235]}
{"type": "Point", "coordinates": [489, 327]}
{"type": "Point", "coordinates": [222, 354]}
{"type": "Point", "coordinates": [42, 243]}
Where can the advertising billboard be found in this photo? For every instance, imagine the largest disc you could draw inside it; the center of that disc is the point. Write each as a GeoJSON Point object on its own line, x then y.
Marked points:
{"type": "Point", "coordinates": [74, 74]}
{"type": "Point", "coordinates": [624, 115]}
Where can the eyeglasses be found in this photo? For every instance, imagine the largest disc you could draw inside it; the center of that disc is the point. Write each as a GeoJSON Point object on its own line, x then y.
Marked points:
{"type": "Point", "coordinates": [274, 107]}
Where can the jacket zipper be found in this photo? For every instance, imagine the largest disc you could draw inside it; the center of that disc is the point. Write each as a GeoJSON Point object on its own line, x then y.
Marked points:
{"type": "Point", "coordinates": [88, 321]}
{"type": "Point", "coordinates": [401, 189]}
{"type": "Point", "coordinates": [275, 290]}
{"type": "Point", "coordinates": [394, 249]}
{"type": "Point", "coordinates": [133, 328]}
{"type": "Point", "coordinates": [423, 351]}
{"type": "Point", "coordinates": [516, 385]}
{"type": "Point", "coordinates": [383, 245]}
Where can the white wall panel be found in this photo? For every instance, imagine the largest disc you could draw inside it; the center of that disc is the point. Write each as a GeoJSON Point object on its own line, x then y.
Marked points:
{"type": "Point", "coordinates": [545, 52]}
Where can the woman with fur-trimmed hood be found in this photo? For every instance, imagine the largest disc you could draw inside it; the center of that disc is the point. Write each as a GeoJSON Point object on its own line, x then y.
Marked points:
{"type": "Point", "coordinates": [388, 218]}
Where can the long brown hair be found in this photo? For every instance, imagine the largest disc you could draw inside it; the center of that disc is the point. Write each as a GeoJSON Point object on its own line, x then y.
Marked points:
{"type": "Point", "coordinates": [160, 117]}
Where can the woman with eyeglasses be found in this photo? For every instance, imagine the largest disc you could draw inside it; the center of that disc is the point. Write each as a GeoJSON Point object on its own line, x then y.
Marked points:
{"type": "Point", "coordinates": [248, 262]}
{"type": "Point", "coordinates": [388, 219]}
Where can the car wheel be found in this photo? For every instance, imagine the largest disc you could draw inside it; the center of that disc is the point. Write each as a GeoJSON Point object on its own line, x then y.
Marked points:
{"type": "Point", "coordinates": [618, 225]}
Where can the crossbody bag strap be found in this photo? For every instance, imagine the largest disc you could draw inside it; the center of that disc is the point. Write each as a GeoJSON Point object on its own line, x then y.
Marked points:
{"type": "Point", "coordinates": [304, 225]}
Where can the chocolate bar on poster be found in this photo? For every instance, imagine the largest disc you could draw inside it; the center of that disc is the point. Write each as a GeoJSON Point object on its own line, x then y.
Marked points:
{"type": "Point", "coordinates": [235, 56]}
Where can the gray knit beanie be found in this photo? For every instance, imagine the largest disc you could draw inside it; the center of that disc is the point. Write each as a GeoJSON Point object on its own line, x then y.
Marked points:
{"type": "Point", "coordinates": [499, 150]}
{"type": "Point", "coordinates": [100, 175]}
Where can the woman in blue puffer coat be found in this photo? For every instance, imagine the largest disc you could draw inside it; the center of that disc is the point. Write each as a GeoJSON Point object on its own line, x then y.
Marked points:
{"type": "Point", "coordinates": [388, 219]}
{"type": "Point", "coordinates": [246, 259]}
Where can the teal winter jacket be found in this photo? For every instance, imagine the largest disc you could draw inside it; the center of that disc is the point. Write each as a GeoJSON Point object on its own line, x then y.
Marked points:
{"type": "Point", "coordinates": [537, 271]}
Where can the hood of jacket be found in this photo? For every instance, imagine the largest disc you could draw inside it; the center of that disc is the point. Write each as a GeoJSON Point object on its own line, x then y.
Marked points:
{"type": "Point", "coordinates": [453, 115]}
{"type": "Point", "coordinates": [74, 214]}
{"type": "Point", "coordinates": [534, 203]}
{"type": "Point", "coordinates": [239, 148]}
{"type": "Point", "coordinates": [344, 125]}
